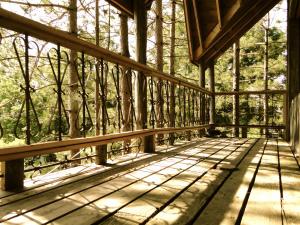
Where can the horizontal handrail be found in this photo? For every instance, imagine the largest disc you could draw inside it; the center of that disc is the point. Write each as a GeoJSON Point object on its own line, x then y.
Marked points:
{"type": "Point", "coordinates": [262, 92]}
{"type": "Point", "coordinates": [252, 126]}
{"type": "Point", "coordinates": [11, 153]}
{"type": "Point", "coordinates": [13, 21]}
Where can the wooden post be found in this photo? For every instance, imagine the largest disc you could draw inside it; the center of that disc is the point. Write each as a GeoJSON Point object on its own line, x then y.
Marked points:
{"type": "Point", "coordinates": [293, 84]}
{"type": "Point", "coordinates": [172, 71]}
{"type": "Point", "coordinates": [266, 73]}
{"type": "Point", "coordinates": [73, 79]}
{"type": "Point", "coordinates": [202, 96]}
{"type": "Point", "coordinates": [126, 85]}
{"type": "Point", "coordinates": [236, 87]}
{"type": "Point", "coordinates": [140, 17]}
{"type": "Point", "coordinates": [159, 67]}
{"type": "Point", "coordinates": [13, 172]}
{"type": "Point", "coordinates": [101, 151]}
{"type": "Point", "coordinates": [212, 105]}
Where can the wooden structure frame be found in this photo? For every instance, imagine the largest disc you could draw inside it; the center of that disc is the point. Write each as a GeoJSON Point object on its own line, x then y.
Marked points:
{"type": "Point", "coordinates": [226, 22]}
{"type": "Point", "coordinates": [213, 26]}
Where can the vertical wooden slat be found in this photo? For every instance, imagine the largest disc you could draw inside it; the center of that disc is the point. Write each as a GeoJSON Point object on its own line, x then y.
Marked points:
{"type": "Point", "coordinates": [212, 106]}
{"type": "Point", "coordinates": [202, 96]}
{"type": "Point", "coordinates": [236, 86]}
{"type": "Point", "coordinates": [140, 17]}
{"type": "Point", "coordinates": [172, 70]}
{"type": "Point", "coordinates": [73, 78]}
{"type": "Point", "coordinates": [293, 81]}
{"type": "Point", "coordinates": [126, 83]}
{"type": "Point", "coordinates": [266, 75]}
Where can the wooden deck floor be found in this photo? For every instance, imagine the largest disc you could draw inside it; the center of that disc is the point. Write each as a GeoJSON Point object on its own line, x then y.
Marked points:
{"type": "Point", "coordinates": [215, 181]}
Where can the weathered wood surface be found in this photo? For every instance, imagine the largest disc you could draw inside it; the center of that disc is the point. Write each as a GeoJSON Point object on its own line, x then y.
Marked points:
{"type": "Point", "coordinates": [216, 181]}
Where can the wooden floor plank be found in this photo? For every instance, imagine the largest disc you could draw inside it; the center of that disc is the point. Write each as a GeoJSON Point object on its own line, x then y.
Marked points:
{"type": "Point", "coordinates": [162, 164]}
{"type": "Point", "coordinates": [73, 185]}
{"type": "Point", "coordinates": [231, 195]}
{"type": "Point", "coordinates": [290, 175]}
{"type": "Point", "coordinates": [161, 194]}
{"type": "Point", "coordinates": [263, 206]}
{"type": "Point", "coordinates": [205, 183]}
{"type": "Point", "coordinates": [121, 164]}
{"type": "Point", "coordinates": [132, 192]}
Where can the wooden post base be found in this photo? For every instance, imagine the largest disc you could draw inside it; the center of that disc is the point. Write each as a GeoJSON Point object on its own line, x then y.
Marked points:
{"type": "Point", "coordinates": [13, 175]}
{"type": "Point", "coordinates": [101, 152]}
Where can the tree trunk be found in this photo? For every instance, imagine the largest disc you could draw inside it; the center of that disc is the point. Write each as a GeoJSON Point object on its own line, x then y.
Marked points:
{"type": "Point", "coordinates": [236, 87]}
{"type": "Point", "coordinates": [159, 67]}
{"type": "Point", "coordinates": [126, 85]}
{"type": "Point", "coordinates": [172, 71]}
{"type": "Point", "coordinates": [73, 82]}
{"type": "Point", "coordinates": [140, 17]}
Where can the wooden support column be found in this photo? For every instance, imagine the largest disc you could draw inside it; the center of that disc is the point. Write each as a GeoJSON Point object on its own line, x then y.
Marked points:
{"type": "Point", "coordinates": [101, 150]}
{"type": "Point", "coordinates": [236, 87]}
{"type": "Point", "coordinates": [172, 71]}
{"type": "Point", "coordinates": [212, 105]}
{"type": "Point", "coordinates": [159, 67]}
{"type": "Point", "coordinates": [202, 96]}
{"type": "Point", "coordinates": [126, 85]}
{"type": "Point", "coordinates": [140, 18]}
{"type": "Point", "coordinates": [266, 74]}
{"type": "Point", "coordinates": [293, 84]}
{"type": "Point", "coordinates": [73, 79]}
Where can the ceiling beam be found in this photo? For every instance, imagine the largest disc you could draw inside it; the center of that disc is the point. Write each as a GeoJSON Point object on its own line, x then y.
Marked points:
{"type": "Point", "coordinates": [188, 28]}
{"type": "Point", "coordinates": [198, 23]}
{"type": "Point", "coordinates": [238, 21]}
{"type": "Point", "coordinates": [224, 42]}
{"type": "Point", "coordinates": [126, 6]}
{"type": "Point", "coordinates": [219, 12]}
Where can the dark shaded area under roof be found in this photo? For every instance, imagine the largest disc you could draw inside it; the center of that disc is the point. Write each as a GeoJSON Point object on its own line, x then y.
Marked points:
{"type": "Point", "coordinates": [127, 5]}
{"type": "Point", "coordinates": [213, 26]}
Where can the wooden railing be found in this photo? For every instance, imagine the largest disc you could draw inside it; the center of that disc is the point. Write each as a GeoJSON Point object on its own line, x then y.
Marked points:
{"type": "Point", "coordinates": [181, 99]}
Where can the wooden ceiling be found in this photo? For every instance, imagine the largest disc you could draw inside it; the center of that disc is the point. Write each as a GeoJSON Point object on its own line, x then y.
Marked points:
{"type": "Point", "coordinates": [214, 25]}
{"type": "Point", "coordinates": [127, 5]}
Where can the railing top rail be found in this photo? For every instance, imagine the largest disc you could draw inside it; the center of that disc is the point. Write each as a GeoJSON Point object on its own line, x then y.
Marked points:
{"type": "Point", "coordinates": [260, 92]}
{"type": "Point", "coordinates": [13, 21]}
{"type": "Point", "coordinates": [18, 152]}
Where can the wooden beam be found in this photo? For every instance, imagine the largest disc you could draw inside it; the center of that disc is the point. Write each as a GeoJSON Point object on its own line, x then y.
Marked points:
{"type": "Point", "coordinates": [219, 12]}
{"type": "Point", "coordinates": [198, 23]}
{"type": "Point", "coordinates": [263, 92]}
{"type": "Point", "coordinates": [211, 36]}
{"type": "Point", "coordinates": [21, 24]}
{"type": "Point", "coordinates": [188, 28]}
{"type": "Point", "coordinates": [294, 9]}
{"type": "Point", "coordinates": [125, 6]}
{"type": "Point", "coordinates": [12, 153]}
{"type": "Point", "coordinates": [236, 87]}
{"type": "Point", "coordinates": [231, 12]}
{"type": "Point", "coordinates": [140, 18]}
{"type": "Point", "coordinates": [253, 126]}
{"type": "Point", "coordinates": [236, 27]}
{"type": "Point", "coordinates": [212, 106]}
